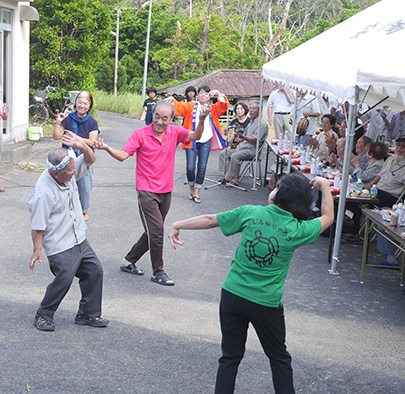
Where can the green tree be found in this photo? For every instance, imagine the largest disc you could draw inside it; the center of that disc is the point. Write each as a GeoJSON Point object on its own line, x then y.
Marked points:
{"type": "Point", "coordinates": [69, 43]}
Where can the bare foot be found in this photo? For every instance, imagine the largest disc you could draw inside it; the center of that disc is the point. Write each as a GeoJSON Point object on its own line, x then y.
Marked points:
{"type": "Point", "coordinates": [2, 189]}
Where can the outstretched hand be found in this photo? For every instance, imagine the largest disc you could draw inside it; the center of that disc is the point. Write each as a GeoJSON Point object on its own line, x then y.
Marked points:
{"type": "Point", "coordinates": [174, 238]}
{"type": "Point", "coordinates": [100, 144]}
{"type": "Point", "coordinates": [73, 140]}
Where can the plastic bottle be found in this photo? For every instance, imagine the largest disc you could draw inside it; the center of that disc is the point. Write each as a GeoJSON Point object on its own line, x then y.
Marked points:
{"type": "Point", "coordinates": [373, 193]}
{"type": "Point", "coordinates": [303, 157]}
{"type": "Point", "coordinates": [319, 168]}
{"type": "Point", "coordinates": [336, 180]}
{"type": "Point", "coordinates": [394, 216]}
{"type": "Point", "coordinates": [314, 168]}
{"type": "Point", "coordinates": [308, 156]}
{"type": "Point", "coordinates": [400, 210]}
{"type": "Point", "coordinates": [358, 188]}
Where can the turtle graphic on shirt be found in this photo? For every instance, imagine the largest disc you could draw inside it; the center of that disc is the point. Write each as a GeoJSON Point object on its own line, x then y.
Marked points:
{"type": "Point", "coordinates": [261, 250]}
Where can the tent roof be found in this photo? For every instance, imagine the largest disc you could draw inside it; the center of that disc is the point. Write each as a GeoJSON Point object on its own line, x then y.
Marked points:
{"type": "Point", "coordinates": [369, 47]}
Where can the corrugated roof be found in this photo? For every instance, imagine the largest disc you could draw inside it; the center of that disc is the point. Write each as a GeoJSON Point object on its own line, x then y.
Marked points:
{"type": "Point", "coordinates": [232, 83]}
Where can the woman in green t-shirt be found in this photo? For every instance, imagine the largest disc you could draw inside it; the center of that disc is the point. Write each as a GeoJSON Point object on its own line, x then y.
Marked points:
{"type": "Point", "coordinates": [252, 291]}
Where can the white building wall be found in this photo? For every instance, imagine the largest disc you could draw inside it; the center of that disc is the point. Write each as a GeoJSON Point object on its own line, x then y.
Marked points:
{"type": "Point", "coordinates": [18, 80]}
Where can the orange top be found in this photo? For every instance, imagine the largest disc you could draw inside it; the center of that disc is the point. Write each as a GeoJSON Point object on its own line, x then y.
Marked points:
{"type": "Point", "coordinates": [185, 109]}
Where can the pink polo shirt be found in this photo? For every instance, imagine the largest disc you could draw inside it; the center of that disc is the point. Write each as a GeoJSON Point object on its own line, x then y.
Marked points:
{"type": "Point", "coordinates": [155, 159]}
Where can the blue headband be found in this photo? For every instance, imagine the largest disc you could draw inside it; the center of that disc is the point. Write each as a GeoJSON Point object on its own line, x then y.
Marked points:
{"type": "Point", "coordinates": [61, 166]}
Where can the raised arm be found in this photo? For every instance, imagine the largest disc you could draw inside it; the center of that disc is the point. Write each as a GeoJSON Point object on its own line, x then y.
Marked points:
{"type": "Point", "coordinates": [74, 141]}
{"type": "Point", "coordinates": [327, 213]}
{"type": "Point", "coordinates": [196, 135]}
{"type": "Point", "coordinates": [201, 222]}
{"type": "Point", "coordinates": [58, 129]}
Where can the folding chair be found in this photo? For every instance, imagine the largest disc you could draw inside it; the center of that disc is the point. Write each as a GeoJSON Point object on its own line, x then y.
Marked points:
{"type": "Point", "coordinates": [248, 168]}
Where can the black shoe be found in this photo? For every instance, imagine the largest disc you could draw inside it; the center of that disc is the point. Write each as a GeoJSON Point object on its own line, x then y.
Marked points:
{"type": "Point", "coordinates": [162, 279]}
{"type": "Point", "coordinates": [131, 269]}
{"type": "Point", "coordinates": [42, 324]}
{"type": "Point", "coordinates": [353, 238]}
{"type": "Point", "coordinates": [91, 321]}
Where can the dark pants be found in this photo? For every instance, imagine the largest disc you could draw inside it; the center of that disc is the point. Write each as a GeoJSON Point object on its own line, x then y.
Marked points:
{"type": "Point", "coordinates": [355, 208]}
{"type": "Point", "coordinates": [235, 315]}
{"type": "Point", "coordinates": [153, 208]}
{"type": "Point", "coordinates": [385, 199]}
{"type": "Point", "coordinates": [81, 262]}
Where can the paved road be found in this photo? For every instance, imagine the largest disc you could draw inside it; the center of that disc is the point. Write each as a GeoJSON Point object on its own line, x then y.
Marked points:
{"type": "Point", "coordinates": [344, 337]}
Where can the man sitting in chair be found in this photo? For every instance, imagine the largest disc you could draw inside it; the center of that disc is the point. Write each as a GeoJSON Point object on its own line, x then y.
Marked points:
{"type": "Point", "coordinates": [246, 149]}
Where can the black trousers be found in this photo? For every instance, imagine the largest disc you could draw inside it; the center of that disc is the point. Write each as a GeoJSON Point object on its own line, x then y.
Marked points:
{"type": "Point", "coordinates": [153, 208]}
{"type": "Point", "coordinates": [81, 262]}
{"type": "Point", "coordinates": [386, 199]}
{"type": "Point", "coordinates": [235, 315]}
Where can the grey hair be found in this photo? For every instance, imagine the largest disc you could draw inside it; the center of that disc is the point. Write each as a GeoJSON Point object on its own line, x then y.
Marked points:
{"type": "Point", "coordinates": [166, 104]}
{"type": "Point", "coordinates": [57, 155]}
{"type": "Point", "coordinates": [255, 102]}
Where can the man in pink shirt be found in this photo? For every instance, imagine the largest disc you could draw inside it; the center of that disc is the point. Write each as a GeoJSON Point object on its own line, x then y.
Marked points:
{"type": "Point", "coordinates": [155, 148]}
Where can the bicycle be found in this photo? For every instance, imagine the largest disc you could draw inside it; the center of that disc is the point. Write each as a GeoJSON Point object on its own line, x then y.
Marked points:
{"type": "Point", "coordinates": [39, 111]}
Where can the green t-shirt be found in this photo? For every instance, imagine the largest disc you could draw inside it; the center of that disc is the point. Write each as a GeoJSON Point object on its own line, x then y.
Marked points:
{"type": "Point", "coordinates": [269, 237]}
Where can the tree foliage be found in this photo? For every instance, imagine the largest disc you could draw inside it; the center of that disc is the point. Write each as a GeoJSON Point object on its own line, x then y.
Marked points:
{"type": "Point", "coordinates": [219, 34]}
{"type": "Point", "coordinates": [69, 43]}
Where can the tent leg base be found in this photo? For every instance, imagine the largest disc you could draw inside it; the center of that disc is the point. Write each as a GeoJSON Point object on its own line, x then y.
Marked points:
{"type": "Point", "coordinates": [333, 272]}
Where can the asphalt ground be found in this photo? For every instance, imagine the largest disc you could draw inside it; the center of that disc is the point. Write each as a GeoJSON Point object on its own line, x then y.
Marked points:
{"type": "Point", "coordinates": [344, 337]}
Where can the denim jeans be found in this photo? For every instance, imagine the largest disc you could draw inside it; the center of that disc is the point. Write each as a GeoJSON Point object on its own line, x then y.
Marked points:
{"type": "Point", "coordinates": [85, 185]}
{"type": "Point", "coordinates": [202, 151]}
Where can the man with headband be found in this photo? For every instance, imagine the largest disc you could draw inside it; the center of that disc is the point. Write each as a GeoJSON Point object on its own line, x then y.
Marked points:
{"type": "Point", "coordinates": [58, 226]}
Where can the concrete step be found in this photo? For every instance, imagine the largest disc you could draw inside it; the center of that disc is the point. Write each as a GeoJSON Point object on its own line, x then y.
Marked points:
{"type": "Point", "coordinates": [28, 151]}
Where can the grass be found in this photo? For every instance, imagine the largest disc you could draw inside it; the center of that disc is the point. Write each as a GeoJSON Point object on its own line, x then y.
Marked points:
{"type": "Point", "coordinates": [122, 103]}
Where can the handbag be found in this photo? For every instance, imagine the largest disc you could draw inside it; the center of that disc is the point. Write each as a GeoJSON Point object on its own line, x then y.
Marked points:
{"type": "Point", "coordinates": [302, 126]}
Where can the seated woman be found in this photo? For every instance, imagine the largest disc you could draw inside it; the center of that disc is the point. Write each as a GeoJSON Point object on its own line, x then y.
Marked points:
{"type": "Point", "coordinates": [376, 154]}
{"type": "Point", "coordinates": [375, 161]}
{"type": "Point", "coordinates": [238, 125]}
{"type": "Point", "coordinates": [325, 142]}
{"type": "Point", "coordinates": [337, 158]}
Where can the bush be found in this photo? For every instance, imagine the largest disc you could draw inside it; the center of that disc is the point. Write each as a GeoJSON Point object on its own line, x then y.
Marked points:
{"type": "Point", "coordinates": [123, 103]}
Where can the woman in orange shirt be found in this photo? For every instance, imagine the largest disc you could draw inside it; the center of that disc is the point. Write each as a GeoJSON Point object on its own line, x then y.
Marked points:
{"type": "Point", "coordinates": [211, 138]}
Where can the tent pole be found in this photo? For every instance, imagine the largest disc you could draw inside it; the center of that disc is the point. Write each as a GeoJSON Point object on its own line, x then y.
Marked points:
{"type": "Point", "coordinates": [258, 134]}
{"type": "Point", "coordinates": [292, 135]}
{"type": "Point", "coordinates": [343, 189]}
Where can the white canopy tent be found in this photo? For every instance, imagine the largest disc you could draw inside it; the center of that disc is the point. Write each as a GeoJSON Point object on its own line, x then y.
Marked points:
{"type": "Point", "coordinates": [370, 44]}
{"type": "Point", "coordinates": [369, 68]}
